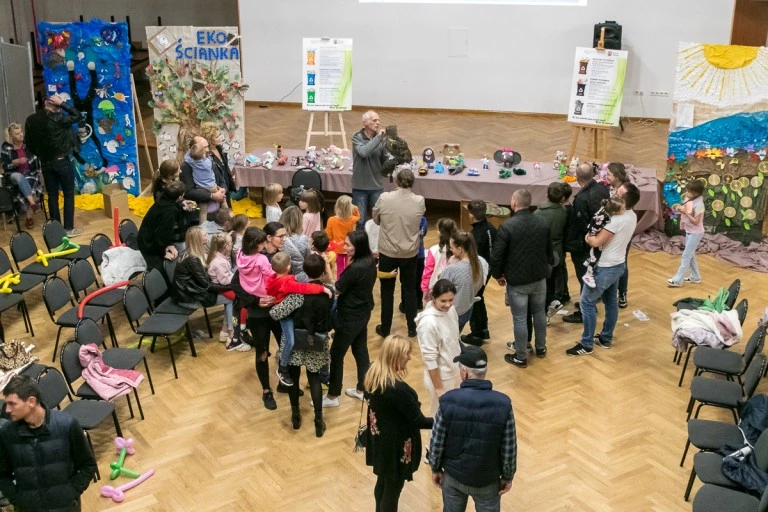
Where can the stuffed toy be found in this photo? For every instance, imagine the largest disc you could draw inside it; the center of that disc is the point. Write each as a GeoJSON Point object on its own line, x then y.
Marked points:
{"type": "Point", "coordinates": [268, 159]}
{"type": "Point", "coordinates": [396, 146]}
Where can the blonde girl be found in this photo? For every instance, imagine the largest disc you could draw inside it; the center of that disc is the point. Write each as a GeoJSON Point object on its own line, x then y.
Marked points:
{"type": "Point", "coordinates": [311, 203]}
{"type": "Point", "coordinates": [220, 272]}
{"type": "Point", "coordinates": [273, 194]}
{"type": "Point", "coordinates": [339, 226]}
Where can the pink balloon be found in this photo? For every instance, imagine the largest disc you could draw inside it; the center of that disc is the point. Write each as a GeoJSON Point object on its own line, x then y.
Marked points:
{"type": "Point", "coordinates": [118, 493]}
{"type": "Point", "coordinates": [121, 443]}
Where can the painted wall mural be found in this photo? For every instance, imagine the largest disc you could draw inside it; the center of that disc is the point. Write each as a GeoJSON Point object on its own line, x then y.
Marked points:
{"type": "Point", "coordinates": [719, 135]}
{"type": "Point", "coordinates": [89, 64]}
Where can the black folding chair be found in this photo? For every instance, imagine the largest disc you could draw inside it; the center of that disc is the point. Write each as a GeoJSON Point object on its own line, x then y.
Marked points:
{"type": "Point", "coordinates": [155, 287]}
{"type": "Point", "coordinates": [99, 243]}
{"type": "Point", "coordinates": [127, 228]}
{"type": "Point", "coordinates": [23, 247]}
{"type": "Point", "coordinates": [726, 394]}
{"type": "Point", "coordinates": [53, 232]}
{"type": "Point", "coordinates": [9, 204]}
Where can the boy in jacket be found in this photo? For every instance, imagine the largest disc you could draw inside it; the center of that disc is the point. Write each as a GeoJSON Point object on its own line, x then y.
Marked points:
{"type": "Point", "coordinates": [484, 234]}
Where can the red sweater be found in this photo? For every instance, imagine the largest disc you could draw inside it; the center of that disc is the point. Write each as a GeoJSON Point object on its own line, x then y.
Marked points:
{"type": "Point", "coordinates": [279, 286]}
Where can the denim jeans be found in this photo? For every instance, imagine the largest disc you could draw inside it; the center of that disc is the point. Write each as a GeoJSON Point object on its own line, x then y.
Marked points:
{"type": "Point", "coordinates": [286, 324]}
{"type": "Point", "coordinates": [606, 286]}
{"type": "Point", "coordinates": [624, 281]}
{"type": "Point", "coordinates": [20, 181]}
{"type": "Point", "coordinates": [364, 200]}
{"type": "Point", "coordinates": [456, 494]}
{"type": "Point", "coordinates": [220, 299]}
{"type": "Point", "coordinates": [464, 318]}
{"type": "Point", "coordinates": [521, 298]}
{"type": "Point", "coordinates": [688, 260]}
{"type": "Point", "coordinates": [59, 174]}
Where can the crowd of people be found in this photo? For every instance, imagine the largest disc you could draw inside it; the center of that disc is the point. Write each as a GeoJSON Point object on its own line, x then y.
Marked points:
{"type": "Point", "coordinates": [309, 283]}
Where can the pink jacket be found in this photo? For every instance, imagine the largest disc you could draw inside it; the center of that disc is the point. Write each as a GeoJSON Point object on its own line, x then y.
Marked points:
{"type": "Point", "coordinates": [220, 270]}
{"type": "Point", "coordinates": [254, 271]}
{"type": "Point", "coordinates": [434, 262]}
{"type": "Point", "coordinates": [312, 223]}
{"type": "Point", "coordinates": [106, 381]}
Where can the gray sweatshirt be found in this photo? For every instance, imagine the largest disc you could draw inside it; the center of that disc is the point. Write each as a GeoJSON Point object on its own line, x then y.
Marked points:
{"type": "Point", "coordinates": [460, 274]}
{"type": "Point", "coordinates": [367, 157]}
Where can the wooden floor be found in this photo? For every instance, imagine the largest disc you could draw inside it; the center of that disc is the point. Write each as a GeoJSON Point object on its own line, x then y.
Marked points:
{"type": "Point", "coordinates": [598, 433]}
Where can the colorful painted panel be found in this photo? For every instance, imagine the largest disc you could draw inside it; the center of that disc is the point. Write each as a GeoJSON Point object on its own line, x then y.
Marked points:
{"type": "Point", "coordinates": [90, 64]}
{"type": "Point", "coordinates": [719, 135]}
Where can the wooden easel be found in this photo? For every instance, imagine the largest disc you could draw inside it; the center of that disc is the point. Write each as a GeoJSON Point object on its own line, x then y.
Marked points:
{"type": "Point", "coordinates": [139, 123]}
{"type": "Point", "coordinates": [327, 132]}
{"type": "Point", "coordinates": [597, 141]}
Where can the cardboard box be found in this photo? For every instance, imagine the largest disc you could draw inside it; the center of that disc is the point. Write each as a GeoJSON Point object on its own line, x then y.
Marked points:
{"type": "Point", "coordinates": [115, 197]}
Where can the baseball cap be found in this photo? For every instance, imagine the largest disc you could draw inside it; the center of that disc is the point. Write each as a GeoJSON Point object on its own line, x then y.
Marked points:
{"type": "Point", "coordinates": [472, 357]}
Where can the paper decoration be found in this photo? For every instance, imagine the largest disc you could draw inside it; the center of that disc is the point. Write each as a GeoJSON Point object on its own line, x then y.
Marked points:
{"type": "Point", "coordinates": [597, 87]}
{"type": "Point", "coordinates": [326, 74]}
{"type": "Point", "coordinates": [89, 64]}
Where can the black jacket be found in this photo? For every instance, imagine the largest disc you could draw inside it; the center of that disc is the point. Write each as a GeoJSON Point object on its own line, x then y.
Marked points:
{"type": "Point", "coordinates": [585, 204]}
{"type": "Point", "coordinates": [223, 179]}
{"type": "Point", "coordinates": [523, 249]}
{"type": "Point", "coordinates": [485, 235]}
{"type": "Point", "coordinates": [192, 284]}
{"type": "Point", "coordinates": [164, 224]}
{"type": "Point", "coordinates": [355, 287]}
{"type": "Point", "coordinates": [49, 134]}
{"type": "Point", "coordinates": [47, 468]}
{"type": "Point", "coordinates": [315, 314]}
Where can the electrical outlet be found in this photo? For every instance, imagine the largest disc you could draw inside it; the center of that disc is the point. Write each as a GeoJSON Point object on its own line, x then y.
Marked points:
{"type": "Point", "coordinates": [660, 94]}
{"type": "Point", "coordinates": [637, 92]}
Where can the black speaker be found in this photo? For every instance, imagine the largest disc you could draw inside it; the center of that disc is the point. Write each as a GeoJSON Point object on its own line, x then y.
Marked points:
{"type": "Point", "coordinates": [612, 35]}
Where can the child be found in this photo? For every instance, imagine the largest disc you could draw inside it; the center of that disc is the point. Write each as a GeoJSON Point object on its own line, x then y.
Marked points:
{"type": "Point", "coordinates": [279, 285]}
{"type": "Point", "coordinates": [692, 221]}
{"type": "Point", "coordinates": [311, 203]}
{"type": "Point", "coordinates": [419, 270]}
{"type": "Point", "coordinates": [253, 270]}
{"type": "Point", "coordinates": [338, 227]}
{"type": "Point", "coordinates": [239, 224]}
{"type": "Point", "coordinates": [319, 245]}
{"type": "Point", "coordinates": [204, 177]}
{"type": "Point", "coordinates": [610, 207]}
{"type": "Point", "coordinates": [437, 256]}
{"type": "Point", "coordinates": [561, 285]}
{"type": "Point", "coordinates": [273, 194]}
{"type": "Point", "coordinates": [484, 234]}
{"type": "Point", "coordinates": [372, 230]}
{"type": "Point", "coordinates": [220, 272]}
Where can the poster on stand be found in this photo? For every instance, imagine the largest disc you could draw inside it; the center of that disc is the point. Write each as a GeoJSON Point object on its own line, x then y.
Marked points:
{"type": "Point", "coordinates": [597, 87]}
{"type": "Point", "coordinates": [327, 74]}
{"type": "Point", "coordinates": [195, 77]}
{"type": "Point", "coordinates": [89, 64]}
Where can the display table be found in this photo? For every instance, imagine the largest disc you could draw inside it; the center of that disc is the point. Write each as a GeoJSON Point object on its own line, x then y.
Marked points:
{"type": "Point", "coordinates": [488, 186]}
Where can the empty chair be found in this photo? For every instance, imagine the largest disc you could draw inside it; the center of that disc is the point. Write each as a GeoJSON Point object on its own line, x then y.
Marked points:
{"type": "Point", "coordinates": [127, 228]}
{"type": "Point", "coordinates": [88, 331]}
{"type": "Point", "coordinates": [53, 232]}
{"type": "Point", "coordinates": [23, 247]}
{"type": "Point", "coordinates": [99, 243]}
{"type": "Point", "coordinates": [73, 371]}
{"type": "Point", "coordinates": [81, 277]}
{"type": "Point", "coordinates": [156, 325]}
{"type": "Point", "coordinates": [88, 413]}
{"type": "Point", "coordinates": [712, 498]}
{"type": "Point", "coordinates": [155, 287]}
{"type": "Point", "coordinates": [726, 394]}
{"type": "Point", "coordinates": [728, 363]}
{"type": "Point", "coordinates": [56, 296]}
{"type": "Point", "coordinates": [9, 204]}
{"type": "Point", "coordinates": [11, 300]}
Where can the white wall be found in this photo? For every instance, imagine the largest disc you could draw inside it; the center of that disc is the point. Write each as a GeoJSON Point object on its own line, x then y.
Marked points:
{"type": "Point", "coordinates": [520, 57]}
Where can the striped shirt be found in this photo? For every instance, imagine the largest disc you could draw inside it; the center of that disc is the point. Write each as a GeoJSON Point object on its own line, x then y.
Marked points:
{"type": "Point", "coordinates": [460, 274]}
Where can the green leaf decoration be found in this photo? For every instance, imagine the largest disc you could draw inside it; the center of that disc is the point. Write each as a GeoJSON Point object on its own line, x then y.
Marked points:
{"type": "Point", "coordinates": [733, 197]}
{"type": "Point", "coordinates": [712, 192]}
{"type": "Point", "coordinates": [739, 193]}
{"type": "Point", "coordinates": [724, 189]}
{"type": "Point", "coordinates": [728, 222]}
{"type": "Point", "coordinates": [747, 226]}
{"type": "Point", "coordinates": [755, 192]}
{"type": "Point", "coordinates": [714, 213]}
{"type": "Point", "coordinates": [760, 173]}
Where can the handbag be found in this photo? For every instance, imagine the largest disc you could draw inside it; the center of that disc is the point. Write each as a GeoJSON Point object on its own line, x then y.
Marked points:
{"type": "Point", "coordinates": [362, 432]}
{"type": "Point", "coordinates": [13, 355]}
{"type": "Point", "coordinates": [309, 342]}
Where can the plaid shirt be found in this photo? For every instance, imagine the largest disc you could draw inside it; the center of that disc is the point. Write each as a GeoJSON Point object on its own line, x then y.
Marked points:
{"type": "Point", "coordinates": [508, 446]}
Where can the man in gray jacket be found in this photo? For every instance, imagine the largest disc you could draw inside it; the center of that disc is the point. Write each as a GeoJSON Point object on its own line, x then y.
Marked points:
{"type": "Point", "coordinates": [369, 154]}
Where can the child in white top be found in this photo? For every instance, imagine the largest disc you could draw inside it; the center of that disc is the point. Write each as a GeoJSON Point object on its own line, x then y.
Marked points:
{"type": "Point", "coordinates": [273, 194]}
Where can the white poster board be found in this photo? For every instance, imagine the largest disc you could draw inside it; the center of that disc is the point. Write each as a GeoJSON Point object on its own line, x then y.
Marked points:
{"type": "Point", "coordinates": [597, 86]}
{"type": "Point", "coordinates": [195, 77]}
{"type": "Point", "coordinates": [326, 74]}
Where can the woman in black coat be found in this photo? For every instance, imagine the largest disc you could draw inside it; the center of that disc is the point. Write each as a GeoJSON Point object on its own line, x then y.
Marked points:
{"type": "Point", "coordinates": [393, 442]}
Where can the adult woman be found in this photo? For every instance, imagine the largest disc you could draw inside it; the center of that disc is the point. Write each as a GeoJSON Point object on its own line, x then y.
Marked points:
{"type": "Point", "coordinates": [617, 176]}
{"type": "Point", "coordinates": [353, 310]}
{"type": "Point", "coordinates": [211, 133]}
{"type": "Point", "coordinates": [23, 167]}
{"type": "Point", "coordinates": [313, 316]}
{"type": "Point", "coordinates": [296, 244]}
{"type": "Point", "coordinates": [393, 444]}
{"type": "Point", "coordinates": [168, 173]}
{"type": "Point", "coordinates": [192, 286]}
{"type": "Point", "coordinates": [468, 274]}
{"type": "Point", "coordinates": [438, 330]}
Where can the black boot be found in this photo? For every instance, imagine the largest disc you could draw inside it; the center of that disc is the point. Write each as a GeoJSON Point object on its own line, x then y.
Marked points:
{"type": "Point", "coordinates": [295, 417]}
{"type": "Point", "coordinates": [319, 426]}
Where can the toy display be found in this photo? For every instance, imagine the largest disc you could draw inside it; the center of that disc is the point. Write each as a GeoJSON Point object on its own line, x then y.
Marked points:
{"type": "Point", "coordinates": [428, 158]}
{"type": "Point", "coordinates": [282, 158]}
{"type": "Point", "coordinates": [537, 169]}
{"type": "Point", "coordinates": [296, 161]}
{"type": "Point", "coordinates": [508, 158]}
{"type": "Point", "coordinates": [472, 172]}
{"type": "Point", "coordinates": [439, 169]}
{"type": "Point", "coordinates": [485, 162]}
{"type": "Point", "coordinates": [252, 161]}
{"type": "Point", "coordinates": [504, 173]}
{"type": "Point", "coordinates": [450, 151]}
{"type": "Point", "coordinates": [423, 171]}
{"type": "Point", "coordinates": [268, 159]}
{"type": "Point", "coordinates": [396, 146]}
{"type": "Point", "coordinates": [335, 157]}
{"type": "Point", "coordinates": [310, 158]}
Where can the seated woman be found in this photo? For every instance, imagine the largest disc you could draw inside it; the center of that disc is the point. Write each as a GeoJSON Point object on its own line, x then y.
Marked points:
{"type": "Point", "coordinates": [224, 177]}
{"type": "Point", "coordinates": [313, 315]}
{"type": "Point", "coordinates": [23, 168]}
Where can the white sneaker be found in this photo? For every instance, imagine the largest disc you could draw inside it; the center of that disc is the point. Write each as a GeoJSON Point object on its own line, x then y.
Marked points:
{"type": "Point", "coordinates": [327, 402]}
{"type": "Point", "coordinates": [354, 393]}
{"type": "Point", "coordinates": [673, 284]}
{"type": "Point", "coordinates": [73, 232]}
{"type": "Point", "coordinates": [589, 281]}
{"type": "Point", "coordinates": [224, 336]}
{"type": "Point", "coordinates": [553, 308]}
{"type": "Point", "coordinates": [511, 346]}
{"type": "Point", "coordinates": [691, 280]}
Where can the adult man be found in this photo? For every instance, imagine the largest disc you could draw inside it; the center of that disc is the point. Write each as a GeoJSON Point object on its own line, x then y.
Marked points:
{"type": "Point", "coordinates": [203, 184]}
{"type": "Point", "coordinates": [473, 451]}
{"type": "Point", "coordinates": [221, 222]}
{"type": "Point", "coordinates": [45, 461]}
{"type": "Point", "coordinates": [369, 153]}
{"type": "Point", "coordinates": [398, 213]}
{"type": "Point", "coordinates": [585, 204]}
{"type": "Point", "coordinates": [613, 239]}
{"type": "Point", "coordinates": [48, 134]}
{"type": "Point", "coordinates": [521, 260]}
